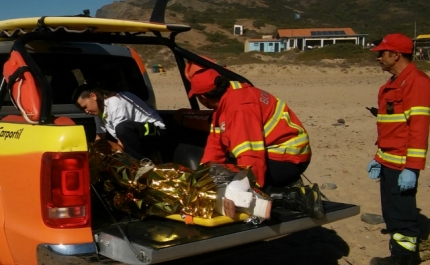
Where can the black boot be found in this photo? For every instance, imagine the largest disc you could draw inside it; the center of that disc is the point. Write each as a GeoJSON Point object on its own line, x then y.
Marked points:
{"type": "Point", "coordinates": [318, 211]}
{"type": "Point", "coordinates": [302, 199]}
{"type": "Point", "coordinates": [396, 260]}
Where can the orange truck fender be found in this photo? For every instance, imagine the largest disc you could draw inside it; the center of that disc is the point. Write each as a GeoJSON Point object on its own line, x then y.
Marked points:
{"type": "Point", "coordinates": [25, 227]}
{"type": "Point", "coordinates": [5, 255]}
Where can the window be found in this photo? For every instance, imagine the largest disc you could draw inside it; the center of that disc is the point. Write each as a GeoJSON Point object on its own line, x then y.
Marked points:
{"type": "Point", "coordinates": [271, 44]}
{"type": "Point", "coordinates": [113, 73]}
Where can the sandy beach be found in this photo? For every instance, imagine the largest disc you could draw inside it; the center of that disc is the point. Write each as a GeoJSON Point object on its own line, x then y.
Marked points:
{"type": "Point", "coordinates": [320, 96]}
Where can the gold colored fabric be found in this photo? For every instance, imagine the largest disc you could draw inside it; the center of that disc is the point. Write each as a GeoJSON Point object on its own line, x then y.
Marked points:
{"type": "Point", "coordinates": [113, 175]}
{"type": "Point", "coordinates": [164, 190]}
{"type": "Point", "coordinates": [175, 189]}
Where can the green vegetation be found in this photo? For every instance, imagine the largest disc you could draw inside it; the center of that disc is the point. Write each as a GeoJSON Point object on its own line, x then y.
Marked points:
{"type": "Point", "coordinates": [232, 49]}
{"type": "Point", "coordinates": [376, 18]}
{"type": "Point", "coordinates": [252, 34]}
{"type": "Point", "coordinates": [148, 5]}
{"type": "Point", "coordinates": [199, 17]}
{"type": "Point", "coordinates": [348, 51]}
{"type": "Point", "coordinates": [259, 23]}
{"type": "Point", "coordinates": [227, 23]}
{"type": "Point", "coordinates": [197, 26]}
{"type": "Point", "coordinates": [220, 38]}
{"type": "Point", "coordinates": [424, 66]}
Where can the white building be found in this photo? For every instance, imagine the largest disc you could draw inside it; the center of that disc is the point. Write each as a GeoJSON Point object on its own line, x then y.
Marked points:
{"type": "Point", "coordinates": [238, 30]}
{"type": "Point", "coordinates": [318, 37]}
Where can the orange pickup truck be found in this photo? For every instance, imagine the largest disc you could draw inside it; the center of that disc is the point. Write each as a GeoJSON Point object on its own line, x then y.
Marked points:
{"type": "Point", "coordinates": [47, 208]}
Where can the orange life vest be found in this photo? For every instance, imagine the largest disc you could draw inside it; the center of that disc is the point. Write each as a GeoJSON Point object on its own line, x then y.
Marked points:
{"type": "Point", "coordinates": [22, 87]}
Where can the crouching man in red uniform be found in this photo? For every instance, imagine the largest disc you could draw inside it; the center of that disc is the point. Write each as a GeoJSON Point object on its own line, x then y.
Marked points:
{"type": "Point", "coordinates": [403, 129]}
{"type": "Point", "coordinates": [262, 132]}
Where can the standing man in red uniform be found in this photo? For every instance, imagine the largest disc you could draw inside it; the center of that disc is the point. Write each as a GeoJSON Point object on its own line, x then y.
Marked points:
{"type": "Point", "coordinates": [403, 129]}
{"type": "Point", "coordinates": [260, 131]}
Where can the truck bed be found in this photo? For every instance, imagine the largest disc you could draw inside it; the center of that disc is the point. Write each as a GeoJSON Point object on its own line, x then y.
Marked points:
{"type": "Point", "coordinates": [159, 239]}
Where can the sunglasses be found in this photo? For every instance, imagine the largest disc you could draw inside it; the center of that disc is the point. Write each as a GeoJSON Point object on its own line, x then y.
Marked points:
{"type": "Point", "coordinates": [381, 53]}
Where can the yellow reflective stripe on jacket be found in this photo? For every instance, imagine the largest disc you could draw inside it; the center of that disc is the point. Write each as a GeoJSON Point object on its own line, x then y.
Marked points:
{"type": "Point", "coordinates": [277, 116]}
{"type": "Point", "coordinates": [103, 117]}
{"type": "Point", "coordinates": [235, 85]}
{"type": "Point", "coordinates": [247, 146]}
{"type": "Point", "coordinates": [215, 129]}
{"type": "Point", "coordinates": [408, 242]}
{"type": "Point", "coordinates": [298, 140]}
{"type": "Point", "coordinates": [391, 118]}
{"type": "Point", "coordinates": [292, 146]}
{"type": "Point", "coordinates": [418, 110]}
{"type": "Point", "coordinates": [287, 117]}
{"type": "Point", "coordinates": [292, 150]}
{"type": "Point", "coordinates": [414, 152]}
{"type": "Point", "coordinates": [273, 121]}
{"type": "Point", "coordinates": [401, 160]}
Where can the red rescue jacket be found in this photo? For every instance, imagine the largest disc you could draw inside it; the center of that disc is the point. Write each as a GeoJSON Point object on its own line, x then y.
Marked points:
{"type": "Point", "coordinates": [403, 120]}
{"type": "Point", "coordinates": [252, 124]}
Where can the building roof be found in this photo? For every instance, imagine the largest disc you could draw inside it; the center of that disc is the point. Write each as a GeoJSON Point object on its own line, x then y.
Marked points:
{"type": "Point", "coordinates": [315, 32]}
{"type": "Point", "coordinates": [263, 40]}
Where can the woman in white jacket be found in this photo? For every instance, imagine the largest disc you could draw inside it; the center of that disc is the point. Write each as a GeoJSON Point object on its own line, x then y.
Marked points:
{"type": "Point", "coordinates": [124, 116]}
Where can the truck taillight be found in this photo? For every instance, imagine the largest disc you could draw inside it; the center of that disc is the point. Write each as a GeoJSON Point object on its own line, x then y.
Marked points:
{"type": "Point", "coordinates": [65, 190]}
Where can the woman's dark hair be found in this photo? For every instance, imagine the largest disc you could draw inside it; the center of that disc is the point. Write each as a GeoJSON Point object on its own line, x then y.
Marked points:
{"type": "Point", "coordinates": [221, 83]}
{"type": "Point", "coordinates": [85, 90]}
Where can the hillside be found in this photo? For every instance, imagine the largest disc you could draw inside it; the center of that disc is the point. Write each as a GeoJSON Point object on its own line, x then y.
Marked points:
{"type": "Point", "coordinates": [212, 20]}
{"type": "Point", "coordinates": [375, 18]}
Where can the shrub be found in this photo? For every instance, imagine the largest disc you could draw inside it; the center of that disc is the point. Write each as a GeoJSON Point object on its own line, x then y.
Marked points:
{"type": "Point", "coordinates": [226, 23]}
{"type": "Point", "coordinates": [235, 49]}
{"type": "Point", "coordinates": [252, 34]}
{"type": "Point", "coordinates": [348, 51]}
{"type": "Point", "coordinates": [258, 23]}
{"type": "Point", "coordinates": [197, 26]}
{"type": "Point", "coordinates": [220, 38]}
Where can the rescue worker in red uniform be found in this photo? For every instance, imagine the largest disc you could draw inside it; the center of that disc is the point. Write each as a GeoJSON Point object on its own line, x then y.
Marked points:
{"type": "Point", "coordinates": [403, 128]}
{"type": "Point", "coordinates": [262, 132]}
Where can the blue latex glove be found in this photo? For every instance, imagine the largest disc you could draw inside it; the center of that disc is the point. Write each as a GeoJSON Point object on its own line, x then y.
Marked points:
{"type": "Point", "coordinates": [374, 169]}
{"type": "Point", "coordinates": [407, 180]}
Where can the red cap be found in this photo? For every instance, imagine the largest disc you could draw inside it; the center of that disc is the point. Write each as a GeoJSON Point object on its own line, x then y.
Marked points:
{"type": "Point", "coordinates": [202, 82]}
{"type": "Point", "coordinates": [395, 42]}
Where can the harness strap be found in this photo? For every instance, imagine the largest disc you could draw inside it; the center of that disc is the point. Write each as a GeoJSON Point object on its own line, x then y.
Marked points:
{"type": "Point", "coordinates": [18, 73]}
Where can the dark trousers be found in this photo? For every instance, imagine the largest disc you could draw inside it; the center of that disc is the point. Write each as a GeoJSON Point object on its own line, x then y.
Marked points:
{"type": "Point", "coordinates": [281, 173]}
{"type": "Point", "coordinates": [132, 136]}
{"type": "Point", "coordinates": [399, 209]}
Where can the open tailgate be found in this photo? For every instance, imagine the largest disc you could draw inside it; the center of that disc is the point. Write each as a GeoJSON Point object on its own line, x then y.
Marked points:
{"type": "Point", "coordinates": [159, 240]}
